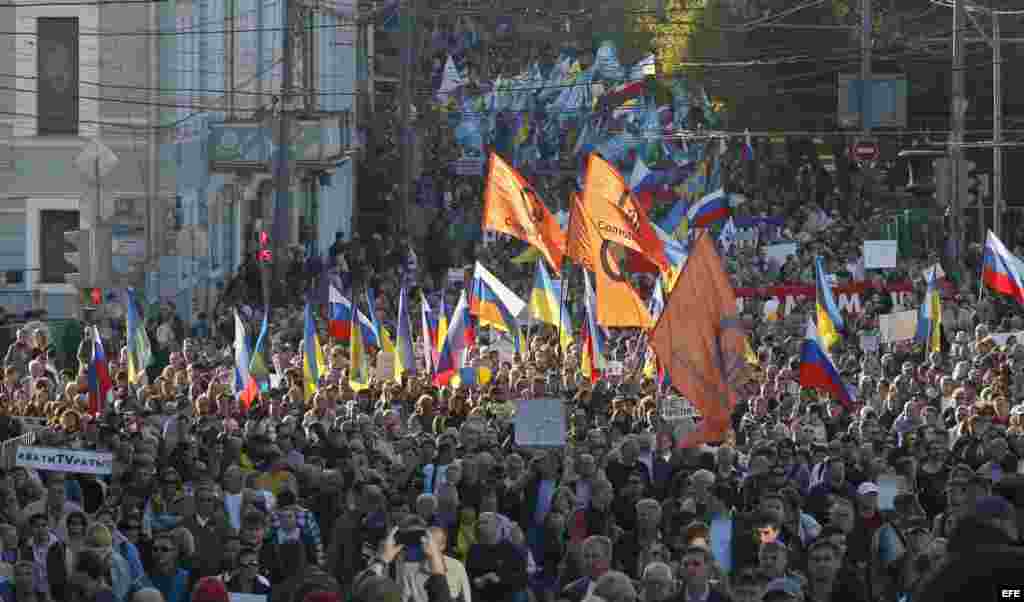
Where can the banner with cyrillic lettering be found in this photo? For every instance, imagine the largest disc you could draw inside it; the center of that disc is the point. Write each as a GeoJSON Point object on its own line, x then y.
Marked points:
{"type": "Point", "coordinates": [848, 296]}
{"type": "Point", "coordinates": [65, 460]}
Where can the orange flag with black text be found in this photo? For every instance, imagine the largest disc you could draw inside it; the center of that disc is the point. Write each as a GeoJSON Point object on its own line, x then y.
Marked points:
{"type": "Point", "coordinates": [618, 305]}
{"type": "Point", "coordinates": [512, 207]}
{"type": "Point", "coordinates": [617, 216]}
{"type": "Point", "coordinates": [577, 246]}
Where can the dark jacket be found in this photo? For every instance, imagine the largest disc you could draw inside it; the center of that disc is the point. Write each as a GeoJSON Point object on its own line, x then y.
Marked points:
{"type": "Point", "coordinates": [56, 570]}
{"type": "Point", "coordinates": [209, 540]}
{"type": "Point", "coordinates": [502, 559]}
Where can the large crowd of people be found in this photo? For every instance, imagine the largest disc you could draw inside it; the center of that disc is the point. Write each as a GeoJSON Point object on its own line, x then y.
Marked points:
{"type": "Point", "coordinates": [411, 491]}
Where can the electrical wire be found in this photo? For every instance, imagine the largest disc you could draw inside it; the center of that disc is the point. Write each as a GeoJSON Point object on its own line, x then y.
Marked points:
{"type": "Point", "coordinates": [981, 9]}
{"type": "Point", "coordinates": [76, 3]}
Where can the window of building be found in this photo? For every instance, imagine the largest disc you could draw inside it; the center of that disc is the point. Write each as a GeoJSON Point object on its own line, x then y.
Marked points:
{"type": "Point", "coordinates": [57, 58]}
{"type": "Point", "coordinates": [52, 246]}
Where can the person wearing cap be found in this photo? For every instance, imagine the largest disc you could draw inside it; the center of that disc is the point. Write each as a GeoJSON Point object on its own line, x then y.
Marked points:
{"type": "Point", "coordinates": [868, 521]}
{"type": "Point", "coordinates": [210, 589]}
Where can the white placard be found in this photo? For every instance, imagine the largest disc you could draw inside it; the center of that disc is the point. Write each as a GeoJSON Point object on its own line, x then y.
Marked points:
{"type": "Point", "coordinates": [1000, 338]}
{"type": "Point", "coordinates": [778, 253]}
{"type": "Point", "coordinates": [880, 254]}
{"type": "Point", "coordinates": [65, 460]}
{"type": "Point", "coordinates": [898, 326]}
{"type": "Point", "coordinates": [869, 343]}
{"type": "Point", "coordinates": [677, 408]}
{"type": "Point", "coordinates": [236, 597]}
{"type": "Point", "coordinates": [385, 366]}
{"type": "Point", "coordinates": [540, 423]}
{"type": "Point", "coordinates": [615, 368]}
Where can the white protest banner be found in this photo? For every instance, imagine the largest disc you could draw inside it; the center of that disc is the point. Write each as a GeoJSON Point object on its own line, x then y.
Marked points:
{"type": "Point", "coordinates": [869, 343]}
{"type": "Point", "coordinates": [880, 254]}
{"type": "Point", "coordinates": [898, 326]}
{"type": "Point", "coordinates": [236, 597]}
{"type": "Point", "coordinates": [65, 460]}
{"type": "Point", "coordinates": [540, 423]}
{"type": "Point", "coordinates": [778, 253]}
{"type": "Point", "coordinates": [615, 368]}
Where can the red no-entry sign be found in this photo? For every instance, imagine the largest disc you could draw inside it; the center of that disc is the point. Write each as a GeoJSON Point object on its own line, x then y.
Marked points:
{"type": "Point", "coordinates": [865, 150]}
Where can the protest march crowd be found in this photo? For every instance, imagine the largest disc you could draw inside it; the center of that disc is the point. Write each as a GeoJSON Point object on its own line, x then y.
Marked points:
{"type": "Point", "coordinates": [759, 412]}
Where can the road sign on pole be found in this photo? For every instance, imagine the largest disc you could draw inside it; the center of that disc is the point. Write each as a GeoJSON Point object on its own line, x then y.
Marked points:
{"type": "Point", "coordinates": [865, 150]}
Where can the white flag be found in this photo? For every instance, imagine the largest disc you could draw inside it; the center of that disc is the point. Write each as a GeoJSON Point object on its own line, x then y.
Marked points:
{"type": "Point", "coordinates": [451, 81]}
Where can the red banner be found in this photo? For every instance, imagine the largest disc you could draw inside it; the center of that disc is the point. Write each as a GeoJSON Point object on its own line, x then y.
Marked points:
{"type": "Point", "coordinates": [848, 297]}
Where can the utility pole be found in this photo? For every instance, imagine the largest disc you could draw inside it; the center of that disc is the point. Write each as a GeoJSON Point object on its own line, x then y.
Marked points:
{"type": "Point", "coordinates": [406, 138]}
{"type": "Point", "coordinates": [997, 126]}
{"type": "Point", "coordinates": [282, 167]}
{"type": "Point", "coordinates": [958, 109]}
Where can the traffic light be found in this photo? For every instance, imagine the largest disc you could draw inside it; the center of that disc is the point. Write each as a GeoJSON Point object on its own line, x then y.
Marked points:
{"type": "Point", "coordinates": [78, 240]}
{"type": "Point", "coordinates": [942, 183]}
{"type": "Point", "coordinates": [264, 255]}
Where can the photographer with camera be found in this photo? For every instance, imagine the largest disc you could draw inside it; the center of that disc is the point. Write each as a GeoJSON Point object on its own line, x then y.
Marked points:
{"type": "Point", "coordinates": [375, 584]}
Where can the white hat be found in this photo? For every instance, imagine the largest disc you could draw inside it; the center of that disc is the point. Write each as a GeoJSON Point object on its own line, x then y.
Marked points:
{"type": "Point", "coordinates": [867, 488]}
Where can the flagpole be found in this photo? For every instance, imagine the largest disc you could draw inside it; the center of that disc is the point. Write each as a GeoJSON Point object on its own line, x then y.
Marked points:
{"type": "Point", "coordinates": [565, 287]}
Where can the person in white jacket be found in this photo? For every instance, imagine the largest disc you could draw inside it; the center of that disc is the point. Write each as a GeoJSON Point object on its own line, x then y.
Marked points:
{"type": "Point", "coordinates": [414, 575]}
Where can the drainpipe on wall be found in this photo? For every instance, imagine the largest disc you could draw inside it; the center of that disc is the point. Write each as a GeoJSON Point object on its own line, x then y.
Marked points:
{"type": "Point", "coordinates": [153, 142]}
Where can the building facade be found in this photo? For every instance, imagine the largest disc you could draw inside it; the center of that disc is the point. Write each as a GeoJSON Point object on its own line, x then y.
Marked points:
{"type": "Point", "coordinates": [167, 88]}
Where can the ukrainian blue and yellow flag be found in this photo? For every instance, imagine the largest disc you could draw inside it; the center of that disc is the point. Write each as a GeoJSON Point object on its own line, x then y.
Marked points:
{"type": "Point", "coordinates": [257, 363]}
{"type": "Point", "coordinates": [442, 325]}
{"type": "Point", "coordinates": [546, 305]}
{"type": "Point", "coordinates": [140, 355]}
{"type": "Point", "coordinates": [405, 362]}
{"type": "Point", "coordinates": [359, 363]}
{"type": "Point", "coordinates": [929, 318]}
{"type": "Point", "coordinates": [313, 364]}
{"type": "Point", "coordinates": [830, 321]}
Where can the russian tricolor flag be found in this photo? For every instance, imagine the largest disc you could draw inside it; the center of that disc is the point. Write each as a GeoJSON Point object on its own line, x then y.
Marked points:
{"type": "Point", "coordinates": [1001, 270]}
{"type": "Point", "coordinates": [818, 372]}
{"type": "Point", "coordinates": [99, 376]}
{"type": "Point", "coordinates": [339, 315]}
{"type": "Point", "coordinates": [493, 303]}
{"type": "Point", "coordinates": [246, 387]}
{"type": "Point", "coordinates": [459, 337]}
{"type": "Point", "coordinates": [709, 210]}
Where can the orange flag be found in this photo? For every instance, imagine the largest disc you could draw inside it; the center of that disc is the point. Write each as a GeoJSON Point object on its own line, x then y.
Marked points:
{"type": "Point", "coordinates": [580, 235]}
{"type": "Point", "coordinates": [617, 216]}
{"type": "Point", "coordinates": [618, 305]}
{"type": "Point", "coordinates": [512, 207]}
{"type": "Point", "coordinates": [701, 342]}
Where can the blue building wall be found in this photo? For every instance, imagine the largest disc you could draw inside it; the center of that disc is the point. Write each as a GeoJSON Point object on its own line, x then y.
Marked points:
{"type": "Point", "coordinates": [337, 81]}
